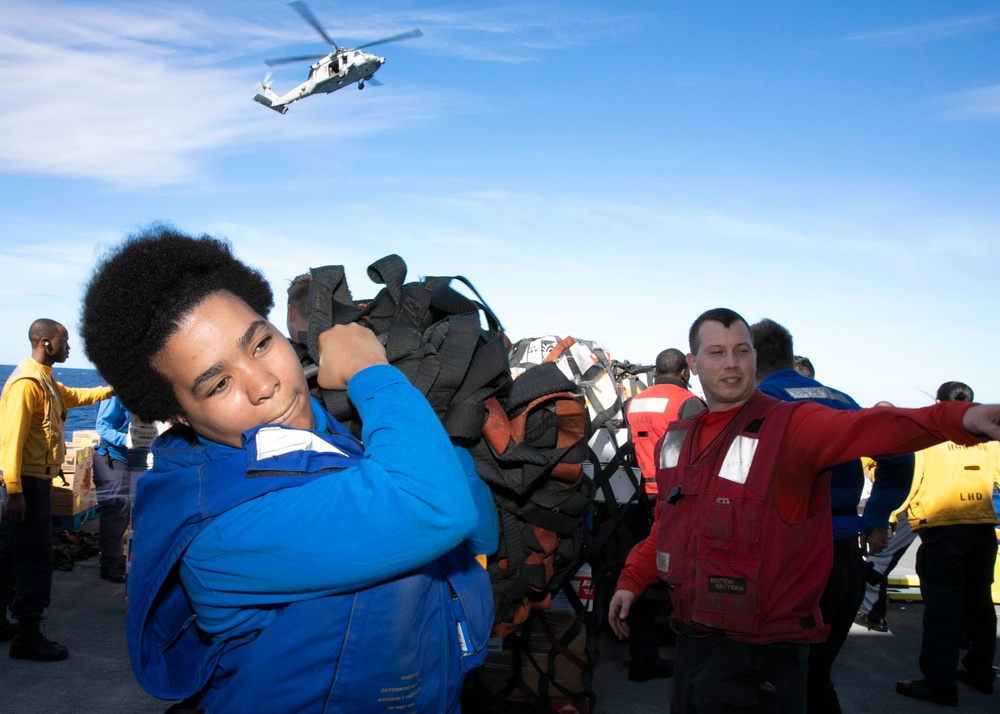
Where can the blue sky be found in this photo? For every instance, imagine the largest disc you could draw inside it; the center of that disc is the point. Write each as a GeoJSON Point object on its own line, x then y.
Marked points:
{"type": "Point", "coordinates": [606, 170]}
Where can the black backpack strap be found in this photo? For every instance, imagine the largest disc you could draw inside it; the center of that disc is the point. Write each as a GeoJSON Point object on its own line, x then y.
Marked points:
{"type": "Point", "coordinates": [455, 341]}
{"type": "Point", "coordinates": [391, 272]}
{"type": "Point", "coordinates": [410, 315]}
{"type": "Point", "coordinates": [450, 293]}
{"type": "Point", "coordinates": [487, 374]}
{"type": "Point", "coordinates": [330, 303]}
{"type": "Point", "coordinates": [538, 381]}
{"type": "Point", "coordinates": [473, 362]}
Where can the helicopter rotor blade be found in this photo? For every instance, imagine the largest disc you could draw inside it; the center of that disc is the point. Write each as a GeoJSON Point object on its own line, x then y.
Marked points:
{"type": "Point", "coordinates": [264, 84]}
{"type": "Point", "coordinates": [307, 15]}
{"type": "Point", "coordinates": [287, 60]}
{"type": "Point", "coordinates": [395, 38]}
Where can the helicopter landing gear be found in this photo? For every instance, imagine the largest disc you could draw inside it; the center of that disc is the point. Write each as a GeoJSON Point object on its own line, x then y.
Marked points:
{"type": "Point", "coordinates": [361, 84]}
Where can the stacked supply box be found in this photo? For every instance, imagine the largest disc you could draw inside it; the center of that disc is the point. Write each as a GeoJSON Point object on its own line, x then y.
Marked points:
{"type": "Point", "coordinates": [86, 436]}
{"type": "Point", "coordinates": [74, 492]}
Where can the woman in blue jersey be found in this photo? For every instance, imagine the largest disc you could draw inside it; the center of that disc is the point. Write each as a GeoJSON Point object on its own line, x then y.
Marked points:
{"type": "Point", "coordinates": [279, 564]}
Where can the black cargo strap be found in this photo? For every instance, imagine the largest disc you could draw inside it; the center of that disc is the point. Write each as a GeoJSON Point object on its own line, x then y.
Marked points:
{"type": "Point", "coordinates": [391, 272]}
{"type": "Point", "coordinates": [441, 301]}
{"type": "Point", "coordinates": [330, 304]}
{"type": "Point", "coordinates": [614, 537]}
{"type": "Point", "coordinates": [431, 333]}
{"type": "Point", "coordinates": [464, 417]}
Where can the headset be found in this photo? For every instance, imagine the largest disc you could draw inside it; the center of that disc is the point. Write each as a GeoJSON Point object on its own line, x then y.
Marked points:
{"type": "Point", "coordinates": [46, 343]}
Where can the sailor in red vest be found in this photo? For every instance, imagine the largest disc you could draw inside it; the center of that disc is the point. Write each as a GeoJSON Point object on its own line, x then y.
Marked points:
{"type": "Point", "coordinates": [649, 412]}
{"type": "Point", "coordinates": [743, 522]}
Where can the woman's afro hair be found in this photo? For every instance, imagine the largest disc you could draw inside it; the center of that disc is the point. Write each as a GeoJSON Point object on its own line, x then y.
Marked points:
{"type": "Point", "coordinates": [137, 296]}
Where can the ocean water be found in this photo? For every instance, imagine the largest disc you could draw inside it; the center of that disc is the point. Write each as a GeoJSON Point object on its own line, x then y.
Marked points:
{"type": "Point", "coordinates": [77, 419]}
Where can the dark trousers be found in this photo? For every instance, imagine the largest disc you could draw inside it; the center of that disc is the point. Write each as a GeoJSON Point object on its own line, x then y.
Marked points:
{"type": "Point", "coordinates": [887, 561]}
{"type": "Point", "coordinates": [714, 675]}
{"type": "Point", "coordinates": [113, 482]}
{"type": "Point", "coordinates": [643, 639]}
{"type": "Point", "coordinates": [955, 566]}
{"type": "Point", "coordinates": [26, 553]}
{"type": "Point", "coordinates": [845, 589]}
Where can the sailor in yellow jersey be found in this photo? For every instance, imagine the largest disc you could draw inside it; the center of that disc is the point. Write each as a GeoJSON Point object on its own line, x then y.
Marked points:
{"type": "Point", "coordinates": [32, 415]}
{"type": "Point", "coordinates": [950, 507]}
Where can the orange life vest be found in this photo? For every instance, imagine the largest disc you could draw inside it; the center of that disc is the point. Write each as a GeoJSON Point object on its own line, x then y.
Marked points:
{"type": "Point", "coordinates": [648, 414]}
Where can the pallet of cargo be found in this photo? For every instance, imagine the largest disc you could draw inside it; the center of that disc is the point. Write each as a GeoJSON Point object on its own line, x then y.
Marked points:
{"type": "Point", "coordinates": [71, 523]}
{"type": "Point", "coordinates": [904, 588]}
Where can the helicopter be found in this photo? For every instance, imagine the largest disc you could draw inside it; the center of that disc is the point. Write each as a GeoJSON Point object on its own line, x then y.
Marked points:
{"type": "Point", "coordinates": [331, 71]}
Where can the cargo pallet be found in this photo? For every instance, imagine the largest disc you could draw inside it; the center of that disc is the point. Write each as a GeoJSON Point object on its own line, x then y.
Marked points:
{"type": "Point", "coordinates": [906, 588]}
{"type": "Point", "coordinates": [71, 523]}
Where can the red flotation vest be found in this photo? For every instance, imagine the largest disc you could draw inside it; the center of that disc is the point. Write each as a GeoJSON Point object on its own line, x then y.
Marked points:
{"type": "Point", "coordinates": [738, 567]}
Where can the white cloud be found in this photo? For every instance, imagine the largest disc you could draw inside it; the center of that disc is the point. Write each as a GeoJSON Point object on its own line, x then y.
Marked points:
{"type": "Point", "coordinates": [520, 32]}
{"type": "Point", "coordinates": [116, 94]}
{"type": "Point", "coordinates": [975, 104]}
{"type": "Point", "coordinates": [929, 31]}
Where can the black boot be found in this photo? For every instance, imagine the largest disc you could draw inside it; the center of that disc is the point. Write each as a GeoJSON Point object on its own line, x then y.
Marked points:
{"type": "Point", "coordinates": [7, 628]}
{"type": "Point", "coordinates": [30, 643]}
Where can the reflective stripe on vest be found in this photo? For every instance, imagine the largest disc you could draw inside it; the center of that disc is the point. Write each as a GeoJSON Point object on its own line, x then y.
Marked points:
{"type": "Point", "coordinates": [648, 416]}
{"type": "Point", "coordinates": [670, 452]}
{"type": "Point", "coordinates": [739, 459]}
{"type": "Point", "coordinates": [648, 404]}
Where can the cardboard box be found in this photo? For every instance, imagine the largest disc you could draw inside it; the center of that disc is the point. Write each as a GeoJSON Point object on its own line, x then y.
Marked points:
{"type": "Point", "coordinates": [78, 456]}
{"type": "Point", "coordinates": [76, 481]}
{"type": "Point", "coordinates": [85, 437]}
{"type": "Point", "coordinates": [66, 502]}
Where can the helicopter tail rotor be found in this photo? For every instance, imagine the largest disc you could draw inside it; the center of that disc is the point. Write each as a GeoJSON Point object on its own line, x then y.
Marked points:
{"type": "Point", "coordinates": [265, 84]}
{"type": "Point", "coordinates": [269, 99]}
